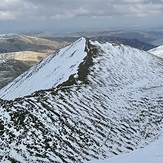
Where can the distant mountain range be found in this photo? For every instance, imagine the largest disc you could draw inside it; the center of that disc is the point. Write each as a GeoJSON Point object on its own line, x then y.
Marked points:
{"type": "Point", "coordinates": [87, 101]}
{"type": "Point", "coordinates": [138, 39]}
{"type": "Point", "coordinates": [154, 37]}
{"type": "Point", "coordinates": [130, 42]}
{"type": "Point", "coordinates": [15, 43]}
{"type": "Point", "coordinates": [143, 36]}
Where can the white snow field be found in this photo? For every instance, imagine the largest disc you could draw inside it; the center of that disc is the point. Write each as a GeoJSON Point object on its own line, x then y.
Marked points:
{"type": "Point", "coordinates": [158, 51]}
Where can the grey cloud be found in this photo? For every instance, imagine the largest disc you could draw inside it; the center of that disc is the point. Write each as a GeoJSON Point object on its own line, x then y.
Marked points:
{"type": "Point", "coordinates": [62, 9]}
{"type": "Point", "coordinates": [80, 13]}
{"type": "Point", "coordinates": [140, 9]}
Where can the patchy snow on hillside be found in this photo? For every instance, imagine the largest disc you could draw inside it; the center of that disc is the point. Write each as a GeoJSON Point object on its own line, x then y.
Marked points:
{"type": "Point", "coordinates": [50, 72]}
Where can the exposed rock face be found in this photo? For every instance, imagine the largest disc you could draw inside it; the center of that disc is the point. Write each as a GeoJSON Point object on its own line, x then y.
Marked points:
{"type": "Point", "coordinates": [110, 103]}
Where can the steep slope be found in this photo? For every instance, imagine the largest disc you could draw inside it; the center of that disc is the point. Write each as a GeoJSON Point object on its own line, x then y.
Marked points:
{"type": "Point", "coordinates": [51, 72]}
{"type": "Point", "coordinates": [157, 51]}
{"type": "Point", "coordinates": [109, 103]}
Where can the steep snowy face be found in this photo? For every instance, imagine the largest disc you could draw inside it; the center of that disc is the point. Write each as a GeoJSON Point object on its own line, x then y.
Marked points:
{"type": "Point", "coordinates": [111, 104]}
{"type": "Point", "coordinates": [49, 73]}
{"type": "Point", "coordinates": [157, 51]}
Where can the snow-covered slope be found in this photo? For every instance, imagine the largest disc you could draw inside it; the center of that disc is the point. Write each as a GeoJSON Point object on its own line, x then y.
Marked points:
{"type": "Point", "coordinates": [157, 51]}
{"type": "Point", "coordinates": [152, 153]}
{"type": "Point", "coordinates": [51, 72]}
{"type": "Point", "coordinates": [109, 103]}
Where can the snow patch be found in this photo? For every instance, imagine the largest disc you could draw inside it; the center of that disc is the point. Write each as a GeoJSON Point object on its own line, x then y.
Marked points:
{"type": "Point", "coordinates": [157, 51]}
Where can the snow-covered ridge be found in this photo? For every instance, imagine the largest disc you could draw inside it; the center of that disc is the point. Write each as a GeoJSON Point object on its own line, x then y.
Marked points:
{"type": "Point", "coordinates": [157, 51]}
{"type": "Point", "coordinates": [111, 105]}
{"type": "Point", "coordinates": [49, 73]}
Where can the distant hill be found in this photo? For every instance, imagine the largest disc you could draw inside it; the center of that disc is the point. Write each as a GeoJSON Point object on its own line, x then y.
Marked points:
{"type": "Point", "coordinates": [144, 36]}
{"type": "Point", "coordinates": [130, 42]}
{"type": "Point", "coordinates": [10, 69]}
{"type": "Point", "coordinates": [28, 57]}
{"type": "Point", "coordinates": [15, 43]}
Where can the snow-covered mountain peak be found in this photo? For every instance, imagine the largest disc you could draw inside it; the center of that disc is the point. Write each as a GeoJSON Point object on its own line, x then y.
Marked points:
{"type": "Point", "coordinates": [50, 72]}
{"type": "Point", "coordinates": [110, 103]}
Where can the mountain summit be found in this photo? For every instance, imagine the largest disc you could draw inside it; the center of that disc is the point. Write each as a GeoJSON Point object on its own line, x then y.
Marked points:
{"type": "Point", "coordinates": [87, 101]}
{"type": "Point", "coordinates": [49, 73]}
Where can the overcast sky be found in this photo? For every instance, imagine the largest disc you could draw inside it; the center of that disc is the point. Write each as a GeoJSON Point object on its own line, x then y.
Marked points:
{"type": "Point", "coordinates": [76, 15]}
